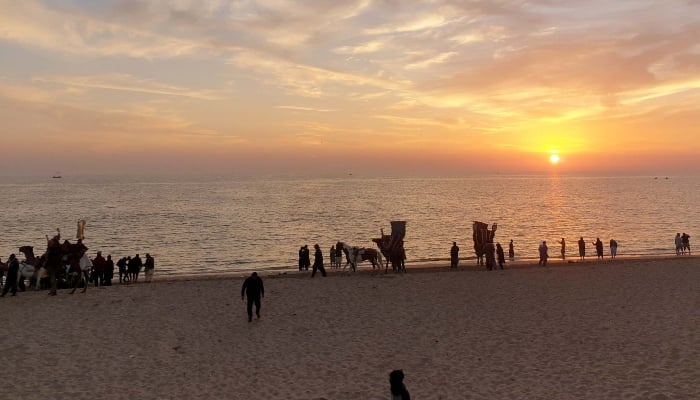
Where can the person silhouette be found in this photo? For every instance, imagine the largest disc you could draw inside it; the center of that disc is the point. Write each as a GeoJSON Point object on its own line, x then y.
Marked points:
{"type": "Point", "coordinates": [454, 255]}
{"type": "Point", "coordinates": [511, 250]}
{"type": "Point", "coordinates": [563, 248]}
{"type": "Point", "coordinates": [397, 387]}
{"type": "Point", "coordinates": [318, 261]}
{"type": "Point", "coordinates": [253, 288]}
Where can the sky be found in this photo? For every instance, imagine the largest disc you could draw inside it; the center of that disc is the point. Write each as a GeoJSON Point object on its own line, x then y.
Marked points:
{"type": "Point", "coordinates": [330, 88]}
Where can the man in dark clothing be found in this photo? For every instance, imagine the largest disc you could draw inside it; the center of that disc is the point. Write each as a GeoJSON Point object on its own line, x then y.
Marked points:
{"type": "Point", "coordinates": [98, 269]}
{"type": "Point", "coordinates": [318, 261]}
{"type": "Point", "coordinates": [544, 253]}
{"type": "Point", "coordinates": [454, 255]}
{"type": "Point", "coordinates": [12, 272]}
{"type": "Point", "coordinates": [599, 248]}
{"type": "Point", "coordinates": [500, 254]}
{"type": "Point", "coordinates": [109, 270]}
{"type": "Point", "coordinates": [490, 255]}
{"type": "Point", "coordinates": [581, 248]}
{"type": "Point", "coordinates": [135, 266]}
{"type": "Point", "coordinates": [253, 288]}
{"type": "Point", "coordinates": [121, 264]}
{"type": "Point", "coordinates": [301, 258]}
{"type": "Point", "coordinates": [307, 258]}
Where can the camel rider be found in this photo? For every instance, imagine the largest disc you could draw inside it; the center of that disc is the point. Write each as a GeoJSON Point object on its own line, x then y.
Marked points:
{"type": "Point", "coordinates": [53, 245]}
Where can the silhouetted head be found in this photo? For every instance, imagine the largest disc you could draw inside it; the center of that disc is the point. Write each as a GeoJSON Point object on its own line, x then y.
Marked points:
{"type": "Point", "coordinates": [396, 381]}
{"type": "Point", "coordinates": [454, 243]}
{"type": "Point", "coordinates": [12, 257]}
{"type": "Point", "coordinates": [254, 274]}
{"type": "Point", "coordinates": [316, 246]}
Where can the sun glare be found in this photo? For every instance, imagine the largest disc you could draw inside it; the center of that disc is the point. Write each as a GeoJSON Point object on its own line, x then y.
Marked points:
{"type": "Point", "coordinates": [554, 159]}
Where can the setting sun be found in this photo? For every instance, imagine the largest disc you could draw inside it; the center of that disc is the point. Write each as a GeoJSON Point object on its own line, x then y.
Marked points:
{"type": "Point", "coordinates": [554, 159]}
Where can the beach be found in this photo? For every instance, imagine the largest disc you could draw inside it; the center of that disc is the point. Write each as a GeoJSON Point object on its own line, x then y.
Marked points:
{"type": "Point", "coordinates": [623, 329]}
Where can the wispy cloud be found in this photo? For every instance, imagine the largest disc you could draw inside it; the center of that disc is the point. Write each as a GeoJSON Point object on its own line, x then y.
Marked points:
{"type": "Point", "coordinates": [129, 83]}
{"type": "Point", "coordinates": [216, 70]}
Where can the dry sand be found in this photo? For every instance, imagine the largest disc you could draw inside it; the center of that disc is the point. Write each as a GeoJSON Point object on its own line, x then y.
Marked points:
{"type": "Point", "coordinates": [628, 329]}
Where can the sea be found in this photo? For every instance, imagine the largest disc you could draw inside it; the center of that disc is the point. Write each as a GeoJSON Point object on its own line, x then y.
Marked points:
{"type": "Point", "coordinates": [216, 225]}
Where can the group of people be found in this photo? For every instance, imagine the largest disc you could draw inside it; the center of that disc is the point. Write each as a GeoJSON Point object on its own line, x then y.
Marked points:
{"type": "Point", "coordinates": [492, 255]}
{"type": "Point", "coordinates": [682, 244]}
{"type": "Point", "coordinates": [100, 271]}
{"type": "Point", "coordinates": [305, 260]}
{"type": "Point", "coordinates": [336, 256]}
{"type": "Point", "coordinates": [130, 268]}
{"type": "Point", "coordinates": [599, 249]}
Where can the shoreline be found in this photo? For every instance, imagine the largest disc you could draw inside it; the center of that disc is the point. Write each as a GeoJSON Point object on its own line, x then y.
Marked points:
{"type": "Point", "coordinates": [423, 267]}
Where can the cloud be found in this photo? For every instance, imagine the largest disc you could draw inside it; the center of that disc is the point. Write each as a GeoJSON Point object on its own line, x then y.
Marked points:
{"type": "Point", "coordinates": [129, 83]}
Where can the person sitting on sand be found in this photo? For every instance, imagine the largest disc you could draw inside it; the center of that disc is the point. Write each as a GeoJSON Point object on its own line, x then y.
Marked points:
{"type": "Point", "coordinates": [397, 387]}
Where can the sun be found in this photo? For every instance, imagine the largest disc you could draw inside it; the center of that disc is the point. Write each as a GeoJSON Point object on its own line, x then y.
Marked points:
{"type": "Point", "coordinates": [554, 159]}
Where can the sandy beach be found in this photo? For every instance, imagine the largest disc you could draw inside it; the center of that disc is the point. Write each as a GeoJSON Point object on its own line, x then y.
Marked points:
{"type": "Point", "coordinates": [624, 329]}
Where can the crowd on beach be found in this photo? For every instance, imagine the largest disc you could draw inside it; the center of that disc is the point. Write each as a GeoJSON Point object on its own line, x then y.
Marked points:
{"type": "Point", "coordinates": [495, 255]}
{"type": "Point", "coordinates": [98, 270]}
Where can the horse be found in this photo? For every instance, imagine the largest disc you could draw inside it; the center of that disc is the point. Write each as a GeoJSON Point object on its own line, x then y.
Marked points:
{"type": "Point", "coordinates": [355, 255]}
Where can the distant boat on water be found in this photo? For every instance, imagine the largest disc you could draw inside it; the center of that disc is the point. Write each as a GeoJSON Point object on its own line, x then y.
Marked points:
{"type": "Point", "coordinates": [57, 175]}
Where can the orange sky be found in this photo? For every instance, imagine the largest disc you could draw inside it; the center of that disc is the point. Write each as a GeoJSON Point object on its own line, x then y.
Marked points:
{"type": "Point", "coordinates": [281, 87]}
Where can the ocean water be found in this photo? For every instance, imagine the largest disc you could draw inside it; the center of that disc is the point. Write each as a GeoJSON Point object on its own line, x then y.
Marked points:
{"type": "Point", "coordinates": [228, 225]}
